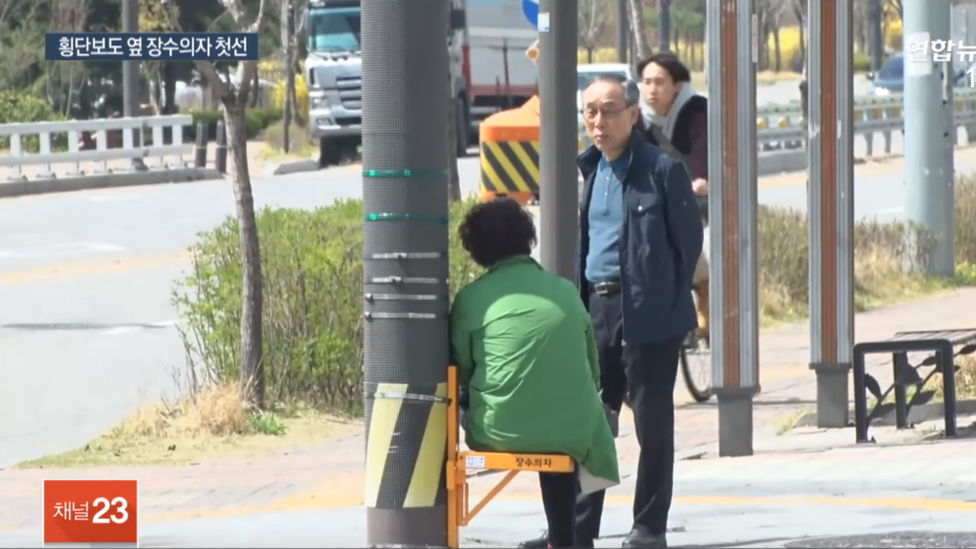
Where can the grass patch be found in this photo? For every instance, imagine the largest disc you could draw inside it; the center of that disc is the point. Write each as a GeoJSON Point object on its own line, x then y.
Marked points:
{"type": "Point", "coordinates": [301, 146]}
{"type": "Point", "coordinates": [212, 424]}
{"type": "Point", "coordinates": [965, 385]}
{"type": "Point", "coordinates": [789, 421]}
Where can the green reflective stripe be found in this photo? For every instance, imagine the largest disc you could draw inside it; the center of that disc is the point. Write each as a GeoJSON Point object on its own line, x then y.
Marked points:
{"type": "Point", "coordinates": [423, 218]}
{"type": "Point", "coordinates": [388, 174]}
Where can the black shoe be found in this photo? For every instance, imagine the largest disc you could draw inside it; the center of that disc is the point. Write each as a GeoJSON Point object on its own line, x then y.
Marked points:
{"type": "Point", "coordinates": [638, 538]}
{"type": "Point", "coordinates": [541, 541]}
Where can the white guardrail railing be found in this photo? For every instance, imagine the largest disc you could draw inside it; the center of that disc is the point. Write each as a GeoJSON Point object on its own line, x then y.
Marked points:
{"type": "Point", "coordinates": [102, 154]}
{"type": "Point", "coordinates": [780, 127]}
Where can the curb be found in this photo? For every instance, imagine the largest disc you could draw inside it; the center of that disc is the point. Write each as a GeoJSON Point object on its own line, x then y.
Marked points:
{"type": "Point", "coordinates": [930, 411]}
{"type": "Point", "coordinates": [106, 181]}
{"type": "Point", "coordinates": [287, 168]}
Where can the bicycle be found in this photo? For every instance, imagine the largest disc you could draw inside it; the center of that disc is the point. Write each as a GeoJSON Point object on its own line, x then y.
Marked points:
{"type": "Point", "coordinates": [696, 367]}
{"type": "Point", "coordinates": [695, 360]}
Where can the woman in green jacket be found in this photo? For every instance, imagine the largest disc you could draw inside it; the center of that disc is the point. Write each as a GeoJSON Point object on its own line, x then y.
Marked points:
{"type": "Point", "coordinates": [523, 344]}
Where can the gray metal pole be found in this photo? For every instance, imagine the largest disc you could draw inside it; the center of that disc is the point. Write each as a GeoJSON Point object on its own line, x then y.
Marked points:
{"type": "Point", "coordinates": [928, 180]}
{"type": "Point", "coordinates": [130, 77]}
{"type": "Point", "coordinates": [732, 204]}
{"type": "Point", "coordinates": [559, 194]}
{"type": "Point", "coordinates": [405, 270]}
{"type": "Point", "coordinates": [623, 32]}
{"type": "Point", "coordinates": [831, 206]}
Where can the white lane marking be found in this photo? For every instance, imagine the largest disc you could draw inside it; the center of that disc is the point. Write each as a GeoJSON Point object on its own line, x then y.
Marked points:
{"type": "Point", "coordinates": [124, 330]}
{"type": "Point", "coordinates": [114, 198]}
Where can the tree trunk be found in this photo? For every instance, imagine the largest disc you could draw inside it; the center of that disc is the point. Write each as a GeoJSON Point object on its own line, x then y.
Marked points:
{"type": "Point", "coordinates": [169, 88]}
{"type": "Point", "coordinates": [289, 107]}
{"type": "Point", "coordinates": [776, 48]}
{"type": "Point", "coordinates": [638, 29]}
{"type": "Point", "coordinates": [663, 24]}
{"type": "Point", "coordinates": [251, 366]}
{"type": "Point", "coordinates": [875, 34]}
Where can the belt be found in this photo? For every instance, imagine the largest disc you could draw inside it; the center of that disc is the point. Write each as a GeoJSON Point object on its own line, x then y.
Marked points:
{"type": "Point", "coordinates": [606, 288]}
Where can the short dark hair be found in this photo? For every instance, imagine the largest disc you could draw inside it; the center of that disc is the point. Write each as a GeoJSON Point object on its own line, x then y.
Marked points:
{"type": "Point", "coordinates": [496, 230]}
{"type": "Point", "coordinates": [670, 63]}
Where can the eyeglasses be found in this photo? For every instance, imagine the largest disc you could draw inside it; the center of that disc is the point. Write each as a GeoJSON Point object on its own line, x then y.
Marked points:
{"type": "Point", "coordinates": [589, 114]}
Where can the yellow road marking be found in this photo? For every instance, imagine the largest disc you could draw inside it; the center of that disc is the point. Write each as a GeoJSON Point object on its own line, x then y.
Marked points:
{"type": "Point", "coordinates": [88, 268]}
{"type": "Point", "coordinates": [320, 499]}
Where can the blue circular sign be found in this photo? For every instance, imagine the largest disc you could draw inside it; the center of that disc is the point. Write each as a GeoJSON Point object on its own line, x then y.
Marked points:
{"type": "Point", "coordinates": [531, 10]}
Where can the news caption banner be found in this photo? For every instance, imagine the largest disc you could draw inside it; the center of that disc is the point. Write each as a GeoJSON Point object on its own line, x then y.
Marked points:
{"type": "Point", "coordinates": [151, 46]}
{"type": "Point", "coordinates": [922, 52]}
{"type": "Point", "coordinates": [96, 512]}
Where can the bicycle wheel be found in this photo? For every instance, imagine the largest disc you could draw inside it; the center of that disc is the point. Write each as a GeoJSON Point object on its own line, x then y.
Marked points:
{"type": "Point", "coordinates": [696, 369]}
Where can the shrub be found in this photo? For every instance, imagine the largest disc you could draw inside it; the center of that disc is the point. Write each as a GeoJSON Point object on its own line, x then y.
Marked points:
{"type": "Point", "coordinates": [301, 98]}
{"type": "Point", "coordinates": [965, 220]}
{"type": "Point", "coordinates": [255, 120]}
{"type": "Point", "coordinates": [312, 266]}
{"type": "Point", "coordinates": [20, 107]}
{"type": "Point", "coordinates": [886, 255]}
{"type": "Point", "coordinates": [862, 62]}
{"type": "Point", "coordinates": [311, 261]}
{"type": "Point", "coordinates": [300, 141]}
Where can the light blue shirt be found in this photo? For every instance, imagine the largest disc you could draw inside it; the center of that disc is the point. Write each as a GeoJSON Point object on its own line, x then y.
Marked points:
{"type": "Point", "coordinates": [605, 219]}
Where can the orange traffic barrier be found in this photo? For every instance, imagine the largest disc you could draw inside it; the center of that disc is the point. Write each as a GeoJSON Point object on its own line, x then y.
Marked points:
{"type": "Point", "coordinates": [510, 153]}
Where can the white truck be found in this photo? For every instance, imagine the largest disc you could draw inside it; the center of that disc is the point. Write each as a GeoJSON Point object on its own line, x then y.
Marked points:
{"type": "Point", "coordinates": [488, 68]}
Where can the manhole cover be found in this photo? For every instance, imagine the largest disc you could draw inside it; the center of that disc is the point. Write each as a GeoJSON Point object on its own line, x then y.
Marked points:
{"type": "Point", "coordinates": [892, 539]}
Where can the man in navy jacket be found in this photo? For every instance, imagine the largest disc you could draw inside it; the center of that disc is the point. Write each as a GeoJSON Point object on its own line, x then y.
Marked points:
{"type": "Point", "coordinates": [640, 238]}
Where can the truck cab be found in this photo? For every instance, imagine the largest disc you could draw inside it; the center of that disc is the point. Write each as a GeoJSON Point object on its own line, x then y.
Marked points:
{"type": "Point", "coordinates": [334, 76]}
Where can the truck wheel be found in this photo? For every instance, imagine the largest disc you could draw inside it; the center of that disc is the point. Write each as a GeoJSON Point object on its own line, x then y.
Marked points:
{"type": "Point", "coordinates": [463, 129]}
{"type": "Point", "coordinates": [329, 153]}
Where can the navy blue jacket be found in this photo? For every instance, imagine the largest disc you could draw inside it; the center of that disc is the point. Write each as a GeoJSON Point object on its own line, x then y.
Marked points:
{"type": "Point", "coordinates": [660, 241]}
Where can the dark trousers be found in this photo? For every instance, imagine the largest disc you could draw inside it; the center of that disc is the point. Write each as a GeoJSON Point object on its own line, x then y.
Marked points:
{"type": "Point", "coordinates": [559, 499]}
{"type": "Point", "coordinates": [649, 371]}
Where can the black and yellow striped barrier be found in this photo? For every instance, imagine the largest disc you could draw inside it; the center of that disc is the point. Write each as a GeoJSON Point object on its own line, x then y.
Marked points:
{"type": "Point", "coordinates": [510, 153]}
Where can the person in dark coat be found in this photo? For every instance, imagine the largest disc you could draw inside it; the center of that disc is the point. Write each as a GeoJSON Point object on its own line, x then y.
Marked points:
{"type": "Point", "coordinates": [676, 120]}
{"type": "Point", "coordinates": [640, 236]}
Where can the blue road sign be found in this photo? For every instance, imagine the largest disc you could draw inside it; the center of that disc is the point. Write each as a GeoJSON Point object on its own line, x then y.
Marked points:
{"type": "Point", "coordinates": [531, 10]}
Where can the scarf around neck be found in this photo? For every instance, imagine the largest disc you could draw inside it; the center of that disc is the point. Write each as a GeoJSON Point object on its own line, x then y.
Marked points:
{"type": "Point", "coordinates": [666, 121]}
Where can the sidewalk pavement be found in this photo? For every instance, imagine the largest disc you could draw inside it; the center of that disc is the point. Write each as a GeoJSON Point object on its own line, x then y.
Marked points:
{"type": "Point", "coordinates": [330, 476]}
{"type": "Point", "coordinates": [902, 495]}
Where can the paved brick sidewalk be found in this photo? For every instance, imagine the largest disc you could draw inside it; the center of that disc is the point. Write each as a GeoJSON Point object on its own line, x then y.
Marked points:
{"type": "Point", "coordinates": [330, 475]}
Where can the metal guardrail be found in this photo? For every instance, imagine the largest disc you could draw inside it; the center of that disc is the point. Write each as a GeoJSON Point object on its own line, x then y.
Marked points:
{"type": "Point", "coordinates": [941, 343]}
{"type": "Point", "coordinates": [781, 126]}
{"type": "Point", "coordinates": [156, 125]}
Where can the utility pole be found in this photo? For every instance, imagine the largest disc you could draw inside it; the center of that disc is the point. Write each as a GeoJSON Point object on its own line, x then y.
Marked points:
{"type": "Point", "coordinates": [559, 193]}
{"type": "Point", "coordinates": [130, 82]}
{"type": "Point", "coordinates": [623, 32]}
{"type": "Point", "coordinates": [405, 270]}
{"type": "Point", "coordinates": [733, 51]}
{"type": "Point", "coordinates": [831, 205]}
{"type": "Point", "coordinates": [928, 178]}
